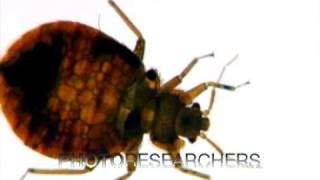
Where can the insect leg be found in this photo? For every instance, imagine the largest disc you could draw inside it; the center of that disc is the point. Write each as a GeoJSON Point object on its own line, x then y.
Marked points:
{"type": "Point", "coordinates": [212, 143]}
{"type": "Point", "coordinates": [175, 81]}
{"type": "Point", "coordinates": [140, 45]}
{"type": "Point", "coordinates": [190, 95]}
{"type": "Point", "coordinates": [213, 92]}
{"type": "Point", "coordinates": [131, 150]}
{"type": "Point", "coordinates": [173, 149]}
{"type": "Point", "coordinates": [57, 171]}
{"type": "Point", "coordinates": [176, 159]}
{"type": "Point", "coordinates": [132, 161]}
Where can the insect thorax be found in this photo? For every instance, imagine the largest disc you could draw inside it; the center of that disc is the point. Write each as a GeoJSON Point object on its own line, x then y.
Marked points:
{"type": "Point", "coordinates": [162, 114]}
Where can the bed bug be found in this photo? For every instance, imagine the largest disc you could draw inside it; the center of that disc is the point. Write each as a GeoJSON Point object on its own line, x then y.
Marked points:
{"type": "Point", "coordinates": [67, 88]}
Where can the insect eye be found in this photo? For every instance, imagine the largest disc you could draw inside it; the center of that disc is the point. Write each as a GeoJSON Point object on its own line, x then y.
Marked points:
{"type": "Point", "coordinates": [192, 140]}
{"type": "Point", "coordinates": [196, 105]}
{"type": "Point", "coordinates": [152, 74]}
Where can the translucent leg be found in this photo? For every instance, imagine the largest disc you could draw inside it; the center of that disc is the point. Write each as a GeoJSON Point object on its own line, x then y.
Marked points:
{"type": "Point", "coordinates": [175, 81]}
{"type": "Point", "coordinates": [216, 146]}
{"type": "Point", "coordinates": [56, 171]}
{"type": "Point", "coordinates": [196, 91]}
{"type": "Point", "coordinates": [178, 165]}
{"type": "Point", "coordinates": [140, 45]}
{"type": "Point", "coordinates": [132, 151]}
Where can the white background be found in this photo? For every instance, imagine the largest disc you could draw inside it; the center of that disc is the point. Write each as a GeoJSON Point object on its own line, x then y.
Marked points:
{"type": "Point", "coordinates": [278, 42]}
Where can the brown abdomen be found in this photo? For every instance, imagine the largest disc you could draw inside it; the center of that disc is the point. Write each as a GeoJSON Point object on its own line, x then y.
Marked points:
{"type": "Point", "coordinates": [61, 85]}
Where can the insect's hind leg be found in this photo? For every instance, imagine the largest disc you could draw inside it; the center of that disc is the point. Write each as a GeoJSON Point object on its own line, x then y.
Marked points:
{"type": "Point", "coordinates": [131, 152]}
{"type": "Point", "coordinates": [57, 171]}
{"type": "Point", "coordinates": [132, 161]}
{"type": "Point", "coordinates": [131, 168]}
{"type": "Point", "coordinates": [140, 45]}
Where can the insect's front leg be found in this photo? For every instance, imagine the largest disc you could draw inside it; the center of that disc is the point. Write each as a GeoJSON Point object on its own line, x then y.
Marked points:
{"type": "Point", "coordinates": [177, 161]}
{"type": "Point", "coordinates": [175, 81]}
{"type": "Point", "coordinates": [174, 151]}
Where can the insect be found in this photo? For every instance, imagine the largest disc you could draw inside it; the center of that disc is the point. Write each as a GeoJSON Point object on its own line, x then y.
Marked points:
{"type": "Point", "coordinates": [67, 88]}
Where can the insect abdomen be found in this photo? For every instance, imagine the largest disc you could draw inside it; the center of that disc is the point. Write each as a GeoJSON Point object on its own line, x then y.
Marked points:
{"type": "Point", "coordinates": [61, 88]}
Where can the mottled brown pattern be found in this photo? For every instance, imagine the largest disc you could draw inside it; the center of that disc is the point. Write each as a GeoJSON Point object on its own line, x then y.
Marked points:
{"type": "Point", "coordinates": [79, 114]}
